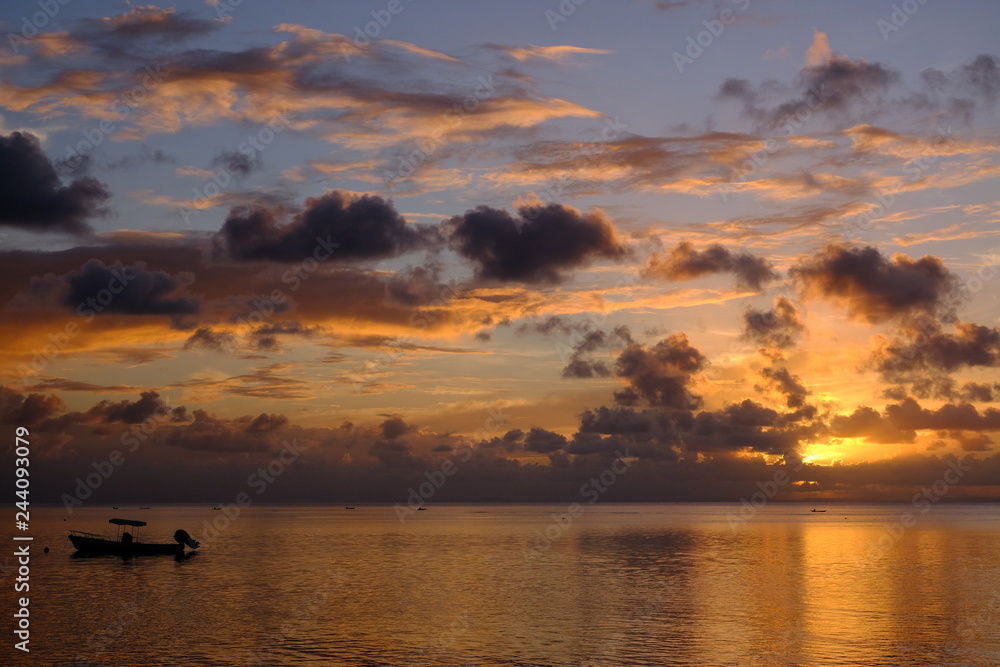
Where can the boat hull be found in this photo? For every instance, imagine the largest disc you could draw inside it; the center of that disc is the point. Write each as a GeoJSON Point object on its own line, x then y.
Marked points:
{"type": "Point", "coordinates": [93, 545]}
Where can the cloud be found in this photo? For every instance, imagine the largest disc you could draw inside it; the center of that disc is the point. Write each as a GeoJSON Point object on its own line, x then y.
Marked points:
{"type": "Point", "coordinates": [553, 53]}
{"type": "Point", "coordinates": [552, 324]}
{"type": "Point", "coordinates": [267, 337]}
{"type": "Point", "coordinates": [207, 339]}
{"type": "Point", "coordinates": [660, 375]}
{"type": "Point", "coordinates": [537, 246]}
{"type": "Point", "coordinates": [747, 425]}
{"type": "Point", "coordinates": [27, 410]}
{"type": "Point", "coordinates": [207, 432]}
{"type": "Point", "coordinates": [540, 441]}
{"type": "Point", "coordinates": [238, 163]}
{"type": "Point", "coordinates": [868, 423]}
{"type": "Point", "coordinates": [140, 30]}
{"type": "Point", "coordinates": [933, 349]}
{"type": "Point", "coordinates": [908, 414]}
{"type": "Point", "coordinates": [129, 412]}
{"type": "Point", "coordinates": [924, 359]}
{"type": "Point", "coordinates": [783, 382]}
{"type": "Point", "coordinates": [819, 52]}
{"type": "Point", "coordinates": [394, 427]}
{"type": "Point", "coordinates": [580, 366]}
{"type": "Point", "coordinates": [32, 196]}
{"type": "Point", "coordinates": [960, 93]}
{"type": "Point", "coordinates": [831, 85]}
{"type": "Point", "coordinates": [144, 292]}
{"type": "Point", "coordinates": [417, 286]}
{"type": "Point", "coordinates": [684, 263]}
{"type": "Point", "coordinates": [343, 226]}
{"type": "Point", "coordinates": [872, 287]}
{"type": "Point", "coordinates": [774, 329]}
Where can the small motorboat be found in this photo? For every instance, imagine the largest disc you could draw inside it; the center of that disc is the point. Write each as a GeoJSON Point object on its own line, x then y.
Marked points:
{"type": "Point", "coordinates": [127, 544]}
{"type": "Point", "coordinates": [819, 510]}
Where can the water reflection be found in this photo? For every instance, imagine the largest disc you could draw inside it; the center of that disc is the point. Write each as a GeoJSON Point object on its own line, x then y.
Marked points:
{"type": "Point", "coordinates": [654, 585]}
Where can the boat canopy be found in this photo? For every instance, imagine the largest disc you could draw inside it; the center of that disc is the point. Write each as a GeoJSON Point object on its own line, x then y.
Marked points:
{"type": "Point", "coordinates": [126, 522]}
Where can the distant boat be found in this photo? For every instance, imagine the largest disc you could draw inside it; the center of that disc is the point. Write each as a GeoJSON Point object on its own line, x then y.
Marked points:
{"type": "Point", "coordinates": [217, 509]}
{"type": "Point", "coordinates": [144, 508]}
{"type": "Point", "coordinates": [125, 544]}
{"type": "Point", "coordinates": [421, 509]}
{"type": "Point", "coordinates": [819, 510]}
{"type": "Point", "coordinates": [348, 508]}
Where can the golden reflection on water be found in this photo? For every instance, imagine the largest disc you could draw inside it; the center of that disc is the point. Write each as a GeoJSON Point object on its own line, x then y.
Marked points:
{"type": "Point", "coordinates": [623, 585]}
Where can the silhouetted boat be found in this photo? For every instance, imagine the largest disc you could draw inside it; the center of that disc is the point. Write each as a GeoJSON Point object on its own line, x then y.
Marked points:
{"type": "Point", "coordinates": [348, 508]}
{"type": "Point", "coordinates": [125, 544]}
{"type": "Point", "coordinates": [819, 510]}
{"type": "Point", "coordinates": [421, 509]}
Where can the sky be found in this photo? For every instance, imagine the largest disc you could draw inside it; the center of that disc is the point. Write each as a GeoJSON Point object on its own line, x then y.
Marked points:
{"type": "Point", "coordinates": [522, 243]}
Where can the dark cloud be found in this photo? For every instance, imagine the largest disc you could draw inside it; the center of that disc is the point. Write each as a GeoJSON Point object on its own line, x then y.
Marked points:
{"type": "Point", "coordinates": [909, 415]}
{"type": "Point", "coordinates": [394, 427]}
{"type": "Point", "coordinates": [579, 365]}
{"type": "Point", "coordinates": [32, 197]}
{"type": "Point", "coordinates": [980, 392]}
{"type": "Point", "coordinates": [144, 156]}
{"type": "Point", "coordinates": [747, 425]}
{"type": "Point", "coordinates": [783, 382]}
{"type": "Point", "coordinates": [685, 263]}
{"type": "Point", "coordinates": [206, 432]}
{"type": "Point", "coordinates": [868, 423]}
{"type": "Point", "coordinates": [141, 30]}
{"type": "Point", "coordinates": [129, 290]}
{"type": "Point", "coordinates": [536, 246]}
{"type": "Point", "coordinates": [238, 163]}
{"type": "Point", "coordinates": [971, 441]}
{"type": "Point", "coordinates": [393, 454]}
{"type": "Point", "coordinates": [774, 329]}
{"type": "Point", "coordinates": [207, 339]}
{"type": "Point", "coordinates": [543, 442]}
{"type": "Point", "coordinates": [622, 421]}
{"type": "Point", "coordinates": [840, 88]}
{"type": "Point", "coordinates": [982, 75]}
{"type": "Point", "coordinates": [930, 349]}
{"type": "Point", "coordinates": [417, 286]}
{"type": "Point", "coordinates": [65, 384]}
{"type": "Point", "coordinates": [130, 412]}
{"type": "Point", "coordinates": [27, 410]}
{"type": "Point", "coordinates": [551, 324]}
{"type": "Point", "coordinates": [360, 228]}
{"type": "Point", "coordinates": [872, 287]}
{"type": "Point", "coordinates": [268, 336]}
{"type": "Point", "coordinates": [660, 375]}
{"type": "Point", "coordinates": [960, 93]}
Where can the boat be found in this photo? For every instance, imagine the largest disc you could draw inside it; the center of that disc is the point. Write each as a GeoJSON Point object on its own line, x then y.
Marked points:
{"type": "Point", "coordinates": [421, 509]}
{"type": "Point", "coordinates": [819, 510]}
{"type": "Point", "coordinates": [127, 544]}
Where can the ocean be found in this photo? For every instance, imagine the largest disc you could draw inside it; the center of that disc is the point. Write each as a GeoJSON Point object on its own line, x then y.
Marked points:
{"type": "Point", "coordinates": [698, 584]}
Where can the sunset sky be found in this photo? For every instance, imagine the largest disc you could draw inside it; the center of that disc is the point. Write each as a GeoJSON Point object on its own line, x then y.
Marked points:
{"type": "Point", "coordinates": [713, 237]}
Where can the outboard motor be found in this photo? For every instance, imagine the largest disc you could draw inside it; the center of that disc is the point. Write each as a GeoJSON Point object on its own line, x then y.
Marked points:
{"type": "Point", "coordinates": [182, 537]}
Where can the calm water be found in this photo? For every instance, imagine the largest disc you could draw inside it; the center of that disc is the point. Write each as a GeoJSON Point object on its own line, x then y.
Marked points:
{"type": "Point", "coordinates": [481, 585]}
